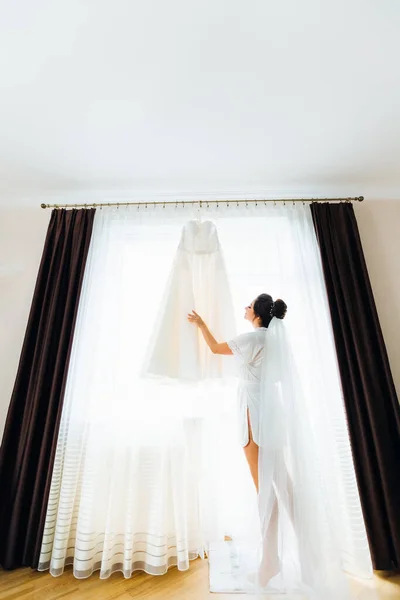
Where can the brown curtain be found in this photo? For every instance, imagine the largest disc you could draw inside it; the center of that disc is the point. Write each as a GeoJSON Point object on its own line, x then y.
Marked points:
{"type": "Point", "coordinates": [30, 436]}
{"type": "Point", "coordinates": [371, 402]}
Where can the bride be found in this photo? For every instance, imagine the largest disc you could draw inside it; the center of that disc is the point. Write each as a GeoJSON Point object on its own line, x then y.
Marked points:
{"type": "Point", "coordinates": [299, 549]}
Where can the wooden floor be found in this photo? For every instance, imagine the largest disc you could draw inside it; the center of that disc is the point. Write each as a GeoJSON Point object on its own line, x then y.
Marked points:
{"type": "Point", "coordinates": [25, 584]}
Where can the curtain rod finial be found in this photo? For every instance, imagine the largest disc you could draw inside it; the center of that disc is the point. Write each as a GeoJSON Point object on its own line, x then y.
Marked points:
{"type": "Point", "coordinates": [360, 198]}
{"type": "Point", "coordinates": [43, 205]}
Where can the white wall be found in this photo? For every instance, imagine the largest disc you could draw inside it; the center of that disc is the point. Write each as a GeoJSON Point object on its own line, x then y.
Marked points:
{"type": "Point", "coordinates": [22, 234]}
{"type": "Point", "coordinates": [379, 225]}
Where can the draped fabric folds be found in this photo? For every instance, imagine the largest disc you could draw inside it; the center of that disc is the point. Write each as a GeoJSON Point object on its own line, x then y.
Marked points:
{"type": "Point", "coordinates": [372, 405]}
{"type": "Point", "coordinates": [31, 430]}
{"type": "Point", "coordinates": [148, 473]}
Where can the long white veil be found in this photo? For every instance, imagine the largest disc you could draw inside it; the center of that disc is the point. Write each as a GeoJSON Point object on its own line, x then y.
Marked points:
{"type": "Point", "coordinates": [295, 518]}
{"type": "Point", "coordinates": [295, 546]}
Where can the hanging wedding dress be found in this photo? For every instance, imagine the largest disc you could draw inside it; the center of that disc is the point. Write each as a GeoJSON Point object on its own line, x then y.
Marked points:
{"type": "Point", "coordinates": [198, 280]}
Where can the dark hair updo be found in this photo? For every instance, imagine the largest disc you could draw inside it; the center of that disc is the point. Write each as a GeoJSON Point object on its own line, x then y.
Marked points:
{"type": "Point", "coordinates": [265, 308]}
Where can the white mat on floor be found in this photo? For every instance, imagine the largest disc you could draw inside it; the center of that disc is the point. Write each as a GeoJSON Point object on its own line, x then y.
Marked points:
{"type": "Point", "coordinates": [230, 564]}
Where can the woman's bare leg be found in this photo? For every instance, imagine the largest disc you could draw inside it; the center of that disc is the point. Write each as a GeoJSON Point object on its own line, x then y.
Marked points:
{"type": "Point", "coordinates": [251, 453]}
{"type": "Point", "coordinates": [270, 560]}
{"type": "Point", "coordinates": [270, 565]}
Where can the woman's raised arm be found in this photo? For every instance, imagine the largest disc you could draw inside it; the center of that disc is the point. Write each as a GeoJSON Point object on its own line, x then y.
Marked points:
{"type": "Point", "coordinates": [215, 347]}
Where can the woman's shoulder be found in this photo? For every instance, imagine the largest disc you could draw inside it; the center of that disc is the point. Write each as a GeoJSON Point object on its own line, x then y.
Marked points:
{"type": "Point", "coordinates": [251, 335]}
{"type": "Point", "coordinates": [260, 332]}
{"type": "Point", "coordinates": [249, 338]}
{"type": "Point", "coordinates": [247, 345]}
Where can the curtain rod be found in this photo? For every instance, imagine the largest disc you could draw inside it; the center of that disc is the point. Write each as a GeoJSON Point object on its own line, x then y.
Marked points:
{"type": "Point", "coordinates": [205, 202]}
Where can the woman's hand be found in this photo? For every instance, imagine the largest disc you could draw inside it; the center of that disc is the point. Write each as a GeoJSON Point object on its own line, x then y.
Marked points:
{"type": "Point", "coordinates": [195, 318]}
{"type": "Point", "coordinates": [210, 340]}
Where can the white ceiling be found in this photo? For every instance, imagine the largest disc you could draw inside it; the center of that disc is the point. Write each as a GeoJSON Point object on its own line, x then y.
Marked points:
{"type": "Point", "coordinates": [199, 98]}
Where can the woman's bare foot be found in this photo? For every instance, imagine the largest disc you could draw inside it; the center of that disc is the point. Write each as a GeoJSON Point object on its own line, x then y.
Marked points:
{"type": "Point", "coordinates": [267, 570]}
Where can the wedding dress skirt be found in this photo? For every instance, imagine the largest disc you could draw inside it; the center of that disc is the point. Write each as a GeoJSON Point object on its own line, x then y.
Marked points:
{"type": "Point", "coordinates": [198, 280]}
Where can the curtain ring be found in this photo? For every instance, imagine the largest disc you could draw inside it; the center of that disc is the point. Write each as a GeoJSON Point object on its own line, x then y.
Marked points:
{"type": "Point", "coordinates": [164, 205]}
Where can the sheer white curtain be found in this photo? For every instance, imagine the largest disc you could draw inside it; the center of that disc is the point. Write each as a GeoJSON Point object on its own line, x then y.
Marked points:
{"type": "Point", "coordinates": [146, 474]}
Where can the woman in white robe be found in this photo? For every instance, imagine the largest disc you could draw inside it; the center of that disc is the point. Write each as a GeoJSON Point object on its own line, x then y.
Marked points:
{"type": "Point", "coordinates": [299, 550]}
